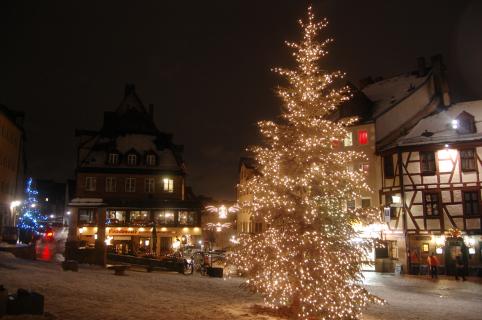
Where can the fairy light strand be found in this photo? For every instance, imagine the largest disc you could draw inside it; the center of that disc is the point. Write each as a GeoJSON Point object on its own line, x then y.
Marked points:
{"type": "Point", "coordinates": [306, 262]}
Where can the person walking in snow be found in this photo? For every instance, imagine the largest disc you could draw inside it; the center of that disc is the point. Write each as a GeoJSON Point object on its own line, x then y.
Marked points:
{"type": "Point", "coordinates": [433, 264]}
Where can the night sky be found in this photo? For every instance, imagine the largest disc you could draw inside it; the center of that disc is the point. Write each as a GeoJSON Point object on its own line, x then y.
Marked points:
{"type": "Point", "coordinates": [205, 65]}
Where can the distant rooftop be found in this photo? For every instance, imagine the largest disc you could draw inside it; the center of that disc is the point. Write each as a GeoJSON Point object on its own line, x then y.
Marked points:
{"type": "Point", "coordinates": [389, 92]}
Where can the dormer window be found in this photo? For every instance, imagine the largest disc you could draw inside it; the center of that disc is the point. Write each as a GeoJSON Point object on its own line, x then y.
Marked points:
{"type": "Point", "coordinates": [465, 123]}
{"type": "Point", "coordinates": [151, 159]}
{"type": "Point", "coordinates": [113, 158]}
{"type": "Point", "coordinates": [132, 159]}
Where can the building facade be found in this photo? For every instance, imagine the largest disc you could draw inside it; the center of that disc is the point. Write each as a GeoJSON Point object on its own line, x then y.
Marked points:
{"type": "Point", "coordinates": [432, 187]}
{"type": "Point", "coordinates": [11, 170]}
{"type": "Point", "coordinates": [130, 186]}
{"type": "Point", "coordinates": [246, 222]}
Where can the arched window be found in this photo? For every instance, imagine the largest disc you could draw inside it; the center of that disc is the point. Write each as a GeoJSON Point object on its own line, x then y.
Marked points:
{"type": "Point", "coordinates": [465, 123]}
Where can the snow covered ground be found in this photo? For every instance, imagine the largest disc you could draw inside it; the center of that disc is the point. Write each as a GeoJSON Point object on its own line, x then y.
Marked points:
{"type": "Point", "coordinates": [95, 293]}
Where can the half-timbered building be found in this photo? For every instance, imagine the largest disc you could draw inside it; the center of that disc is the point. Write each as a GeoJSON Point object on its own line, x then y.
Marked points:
{"type": "Point", "coordinates": [431, 186]}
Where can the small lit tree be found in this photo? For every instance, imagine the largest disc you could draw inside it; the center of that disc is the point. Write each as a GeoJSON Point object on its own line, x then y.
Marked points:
{"type": "Point", "coordinates": [30, 220]}
{"type": "Point", "coordinates": [307, 263]}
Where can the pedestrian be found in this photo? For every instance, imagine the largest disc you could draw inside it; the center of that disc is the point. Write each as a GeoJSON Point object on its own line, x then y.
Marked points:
{"type": "Point", "coordinates": [459, 268]}
{"type": "Point", "coordinates": [433, 264]}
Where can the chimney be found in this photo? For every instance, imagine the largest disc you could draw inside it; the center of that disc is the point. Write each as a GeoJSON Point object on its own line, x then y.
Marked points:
{"type": "Point", "coordinates": [422, 68]}
{"type": "Point", "coordinates": [439, 79]}
{"type": "Point", "coordinates": [151, 110]}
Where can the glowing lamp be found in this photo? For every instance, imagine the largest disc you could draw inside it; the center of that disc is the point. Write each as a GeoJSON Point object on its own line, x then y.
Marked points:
{"type": "Point", "coordinates": [163, 229]}
{"type": "Point", "coordinates": [14, 204]}
{"type": "Point", "coordinates": [81, 230]}
{"type": "Point", "coordinates": [455, 124]}
{"type": "Point", "coordinates": [176, 244]}
{"type": "Point", "coordinates": [439, 250]}
{"type": "Point", "coordinates": [396, 199]}
{"type": "Point", "coordinates": [471, 250]}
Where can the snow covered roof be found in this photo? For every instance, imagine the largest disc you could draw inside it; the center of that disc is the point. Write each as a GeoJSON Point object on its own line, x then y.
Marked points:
{"type": "Point", "coordinates": [389, 92]}
{"type": "Point", "coordinates": [438, 127]}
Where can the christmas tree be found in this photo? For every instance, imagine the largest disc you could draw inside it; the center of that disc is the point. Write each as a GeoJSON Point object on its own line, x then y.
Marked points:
{"type": "Point", "coordinates": [307, 263]}
{"type": "Point", "coordinates": [30, 221]}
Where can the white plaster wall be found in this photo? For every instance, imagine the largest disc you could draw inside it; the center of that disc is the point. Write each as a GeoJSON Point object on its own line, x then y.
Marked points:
{"type": "Point", "coordinates": [455, 209]}
{"type": "Point", "coordinates": [446, 196]}
{"type": "Point", "coordinates": [429, 179]}
{"type": "Point", "coordinates": [473, 223]}
{"type": "Point", "coordinates": [469, 177]}
{"type": "Point", "coordinates": [417, 210]}
{"type": "Point", "coordinates": [413, 167]}
{"type": "Point", "coordinates": [433, 224]}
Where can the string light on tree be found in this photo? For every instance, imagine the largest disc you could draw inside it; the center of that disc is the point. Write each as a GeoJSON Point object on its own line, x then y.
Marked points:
{"type": "Point", "coordinates": [30, 220]}
{"type": "Point", "coordinates": [306, 263]}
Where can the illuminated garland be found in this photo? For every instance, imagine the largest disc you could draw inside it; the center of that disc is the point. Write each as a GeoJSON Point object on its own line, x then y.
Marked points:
{"type": "Point", "coordinates": [307, 262]}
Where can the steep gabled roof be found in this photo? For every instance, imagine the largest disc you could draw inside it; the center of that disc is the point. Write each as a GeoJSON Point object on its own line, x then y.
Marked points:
{"type": "Point", "coordinates": [131, 101]}
{"type": "Point", "coordinates": [130, 117]}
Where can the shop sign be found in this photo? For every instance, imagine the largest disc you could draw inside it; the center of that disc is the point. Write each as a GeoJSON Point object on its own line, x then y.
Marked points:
{"type": "Point", "coordinates": [122, 238]}
{"type": "Point", "coordinates": [122, 231]}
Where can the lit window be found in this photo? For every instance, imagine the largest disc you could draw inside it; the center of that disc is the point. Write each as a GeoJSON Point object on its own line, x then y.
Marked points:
{"type": "Point", "coordinates": [149, 186]}
{"type": "Point", "coordinates": [130, 184]}
{"type": "Point", "coordinates": [110, 184]}
{"type": "Point", "coordinates": [90, 183]}
{"type": "Point", "coordinates": [431, 204]}
{"type": "Point", "coordinates": [168, 185]}
{"type": "Point", "coordinates": [348, 141]}
{"type": "Point", "coordinates": [151, 160]}
{"type": "Point", "coordinates": [113, 158]}
{"type": "Point", "coordinates": [187, 217]}
{"type": "Point", "coordinates": [364, 167]}
{"type": "Point", "coordinates": [132, 159]}
{"type": "Point", "coordinates": [362, 136]}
